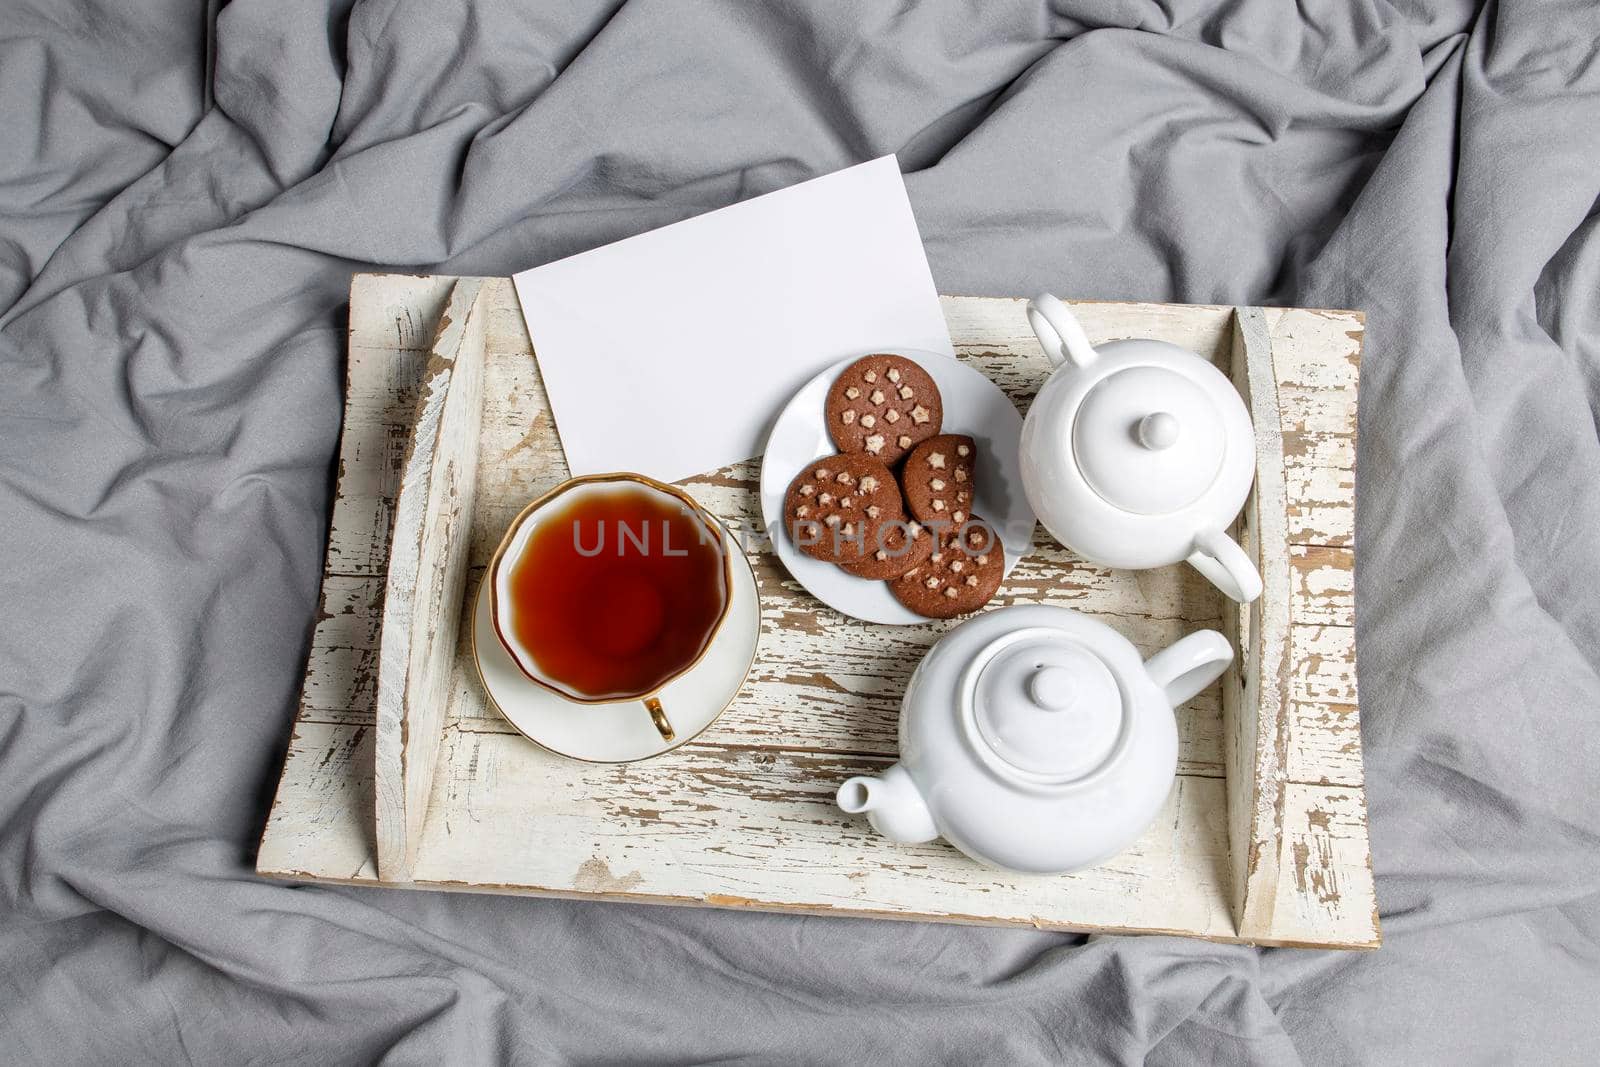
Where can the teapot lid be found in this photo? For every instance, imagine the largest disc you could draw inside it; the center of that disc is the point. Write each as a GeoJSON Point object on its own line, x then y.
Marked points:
{"type": "Point", "coordinates": [1046, 704]}
{"type": "Point", "coordinates": [1149, 440]}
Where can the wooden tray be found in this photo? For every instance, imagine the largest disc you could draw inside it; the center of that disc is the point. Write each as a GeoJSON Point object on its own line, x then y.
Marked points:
{"type": "Point", "coordinates": [1263, 840]}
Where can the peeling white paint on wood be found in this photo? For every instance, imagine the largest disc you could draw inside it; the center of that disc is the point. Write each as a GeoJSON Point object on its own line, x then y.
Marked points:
{"type": "Point", "coordinates": [1255, 688]}
{"type": "Point", "coordinates": [427, 578]}
{"type": "Point", "coordinates": [1326, 883]}
{"type": "Point", "coordinates": [731, 827]}
{"type": "Point", "coordinates": [743, 816]}
{"type": "Point", "coordinates": [1324, 584]}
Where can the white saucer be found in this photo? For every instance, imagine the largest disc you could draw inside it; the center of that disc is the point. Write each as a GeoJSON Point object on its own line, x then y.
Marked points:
{"type": "Point", "coordinates": [973, 405]}
{"type": "Point", "coordinates": [623, 732]}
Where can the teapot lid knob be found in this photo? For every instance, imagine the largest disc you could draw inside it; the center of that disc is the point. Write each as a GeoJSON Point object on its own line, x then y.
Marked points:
{"type": "Point", "coordinates": [1045, 704]}
{"type": "Point", "coordinates": [1053, 688]}
{"type": "Point", "coordinates": [1158, 430]}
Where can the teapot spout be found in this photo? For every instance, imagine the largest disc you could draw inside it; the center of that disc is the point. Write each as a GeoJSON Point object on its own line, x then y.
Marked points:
{"type": "Point", "coordinates": [893, 805]}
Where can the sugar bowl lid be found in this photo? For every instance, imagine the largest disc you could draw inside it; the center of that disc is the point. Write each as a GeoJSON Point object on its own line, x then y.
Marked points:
{"type": "Point", "coordinates": [1149, 439]}
{"type": "Point", "coordinates": [1045, 704]}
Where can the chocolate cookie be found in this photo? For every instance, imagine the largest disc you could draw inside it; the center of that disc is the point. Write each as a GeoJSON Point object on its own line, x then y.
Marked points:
{"type": "Point", "coordinates": [904, 545]}
{"type": "Point", "coordinates": [938, 479]}
{"type": "Point", "coordinates": [835, 507]}
{"type": "Point", "coordinates": [960, 576]}
{"type": "Point", "coordinates": [883, 405]}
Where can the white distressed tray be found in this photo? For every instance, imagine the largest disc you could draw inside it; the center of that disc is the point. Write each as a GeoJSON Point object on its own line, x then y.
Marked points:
{"type": "Point", "coordinates": [1263, 840]}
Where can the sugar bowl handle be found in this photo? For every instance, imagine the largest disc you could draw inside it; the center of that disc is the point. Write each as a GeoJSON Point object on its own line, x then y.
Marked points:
{"type": "Point", "coordinates": [1058, 331]}
{"type": "Point", "coordinates": [1226, 566]}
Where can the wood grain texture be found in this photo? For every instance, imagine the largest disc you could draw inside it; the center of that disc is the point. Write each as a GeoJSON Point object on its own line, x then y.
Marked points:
{"type": "Point", "coordinates": [743, 816]}
{"type": "Point", "coordinates": [426, 578]}
{"type": "Point", "coordinates": [1255, 689]}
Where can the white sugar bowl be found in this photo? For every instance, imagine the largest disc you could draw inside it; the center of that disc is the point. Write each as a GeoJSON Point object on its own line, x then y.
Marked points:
{"type": "Point", "coordinates": [1036, 739]}
{"type": "Point", "coordinates": [1138, 453]}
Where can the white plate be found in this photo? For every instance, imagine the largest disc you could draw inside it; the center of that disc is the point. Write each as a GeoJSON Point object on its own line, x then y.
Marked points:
{"type": "Point", "coordinates": [973, 405]}
{"type": "Point", "coordinates": [622, 732]}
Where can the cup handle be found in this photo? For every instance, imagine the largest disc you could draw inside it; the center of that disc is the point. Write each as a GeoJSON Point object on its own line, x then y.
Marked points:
{"type": "Point", "coordinates": [1058, 331]}
{"type": "Point", "coordinates": [658, 715]}
{"type": "Point", "coordinates": [1224, 563]}
{"type": "Point", "coordinates": [1189, 664]}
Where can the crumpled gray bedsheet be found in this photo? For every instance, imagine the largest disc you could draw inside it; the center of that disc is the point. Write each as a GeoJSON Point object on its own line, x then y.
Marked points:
{"type": "Point", "coordinates": [173, 268]}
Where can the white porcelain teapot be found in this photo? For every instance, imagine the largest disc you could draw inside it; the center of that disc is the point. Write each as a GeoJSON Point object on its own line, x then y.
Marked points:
{"type": "Point", "coordinates": [1138, 453]}
{"type": "Point", "coordinates": [1034, 738]}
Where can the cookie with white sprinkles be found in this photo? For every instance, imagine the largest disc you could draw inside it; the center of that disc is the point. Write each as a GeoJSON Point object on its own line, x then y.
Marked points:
{"type": "Point", "coordinates": [962, 574]}
{"type": "Point", "coordinates": [883, 405]}
{"type": "Point", "coordinates": [836, 506]}
{"type": "Point", "coordinates": [901, 546]}
{"type": "Point", "coordinates": [938, 479]}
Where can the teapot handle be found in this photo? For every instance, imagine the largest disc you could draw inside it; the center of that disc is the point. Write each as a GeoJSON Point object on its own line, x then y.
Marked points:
{"type": "Point", "coordinates": [1189, 664]}
{"type": "Point", "coordinates": [1226, 566]}
{"type": "Point", "coordinates": [1058, 331]}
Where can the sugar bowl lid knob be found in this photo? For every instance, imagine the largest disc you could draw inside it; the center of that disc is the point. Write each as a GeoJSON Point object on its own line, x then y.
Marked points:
{"type": "Point", "coordinates": [1149, 440]}
{"type": "Point", "coordinates": [1158, 430]}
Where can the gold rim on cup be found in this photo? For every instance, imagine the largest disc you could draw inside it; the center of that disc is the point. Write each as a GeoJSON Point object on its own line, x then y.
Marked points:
{"type": "Point", "coordinates": [489, 697]}
{"type": "Point", "coordinates": [650, 700]}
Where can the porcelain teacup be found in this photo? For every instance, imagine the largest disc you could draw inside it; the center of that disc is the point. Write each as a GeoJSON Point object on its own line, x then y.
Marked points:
{"type": "Point", "coordinates": [608, 587]}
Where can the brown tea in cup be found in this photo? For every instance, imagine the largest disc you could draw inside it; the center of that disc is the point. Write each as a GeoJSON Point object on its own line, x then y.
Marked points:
{"type": "Point", "coordinates": [617, 588]}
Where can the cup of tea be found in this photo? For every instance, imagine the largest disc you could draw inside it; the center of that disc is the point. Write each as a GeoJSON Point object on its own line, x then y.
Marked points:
{"type": "Point", "coordinates": [608, 587]}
